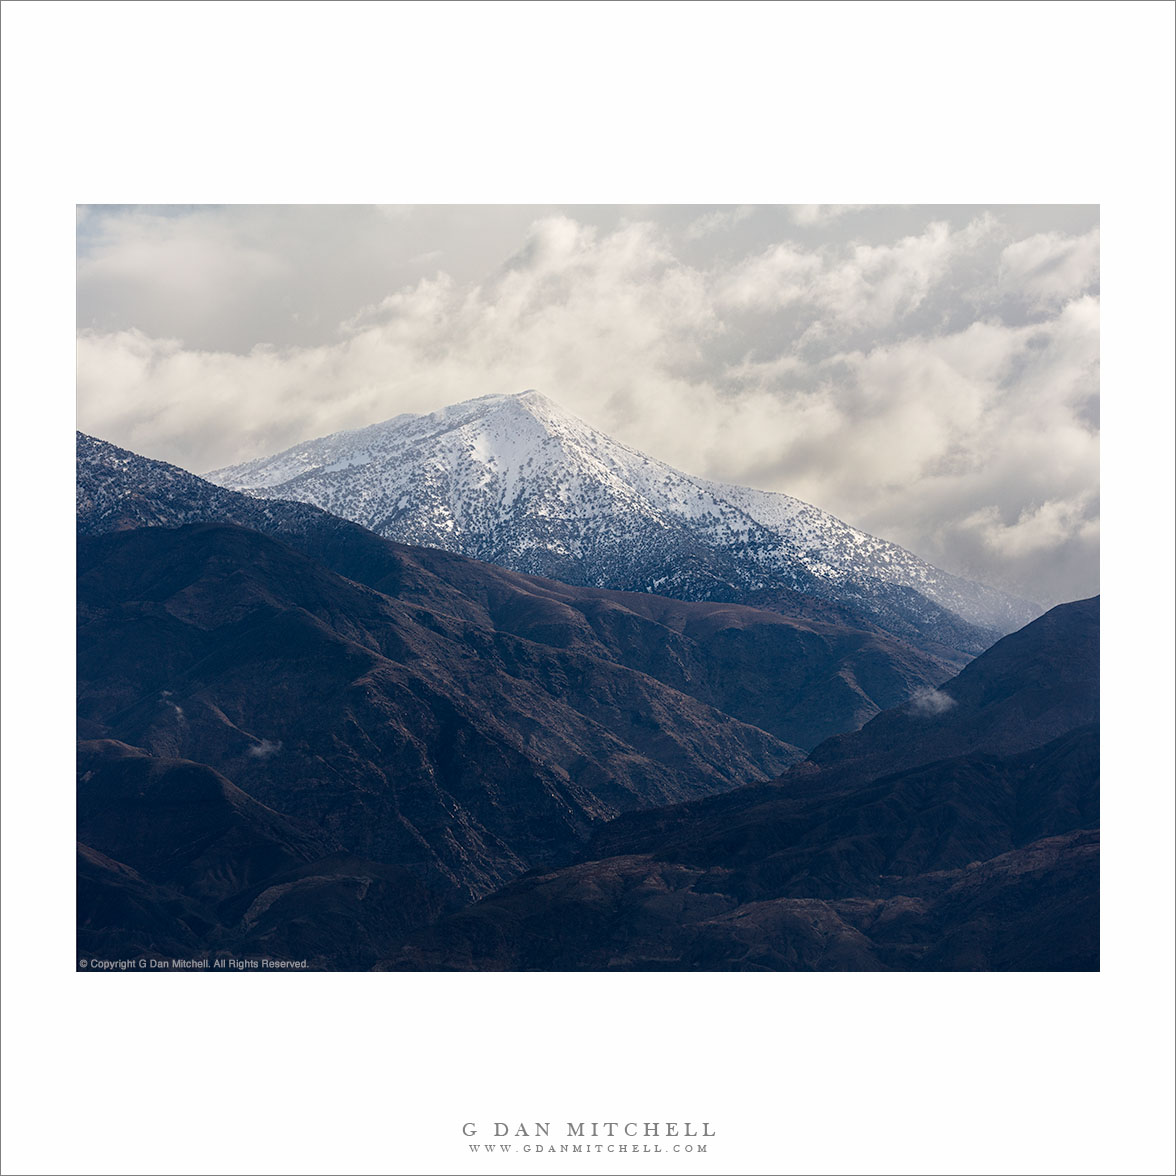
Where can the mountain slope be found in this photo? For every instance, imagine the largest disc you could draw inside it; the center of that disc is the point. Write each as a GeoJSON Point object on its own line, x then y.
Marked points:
{"type": "Point", "coordinates": [971, 846]}
{"type": "Point", "coordinates": [405, 735]}
{"type": "Point", "coordinates": [516, 481]}
{"type": "Point", "coordinates": [181, 823]}
{"type": "Point", "coordinates": [803, 671]}
{"type": "Point", "coordinates": [175, 861]}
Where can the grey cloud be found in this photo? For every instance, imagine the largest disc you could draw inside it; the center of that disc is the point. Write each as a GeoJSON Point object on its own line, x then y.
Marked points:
{"type": "Point", "coordinates": [227, 278]}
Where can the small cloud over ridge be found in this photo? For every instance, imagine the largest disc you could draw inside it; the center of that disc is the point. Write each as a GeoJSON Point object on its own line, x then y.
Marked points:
{"type": "Point", "coordinates": [931, 703]}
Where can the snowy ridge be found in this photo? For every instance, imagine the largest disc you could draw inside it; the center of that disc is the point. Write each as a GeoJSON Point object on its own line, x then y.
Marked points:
{"type": "Point", "coordinates": [515, 480]}
{"type": "Point", "coordinates": [117, 490]}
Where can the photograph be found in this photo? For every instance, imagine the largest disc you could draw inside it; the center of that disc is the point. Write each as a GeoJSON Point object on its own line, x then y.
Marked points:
{"type": "Point", "coordinates": [761, 633]}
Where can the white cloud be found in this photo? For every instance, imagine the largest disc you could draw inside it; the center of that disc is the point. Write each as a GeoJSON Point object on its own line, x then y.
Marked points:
{"type": "Point", "coordinates": [264, 749]}
{"type": "Point", "coordinates": [930, 703]}
{"type": "Point", "coordinates": [779, 277]}
{"type": "Point", "coordinates": [819, 214]}
{"type": "Point", "coordinates": [854, 287]}
{"type": "Point", "coordinates": [1037, 528]}
{"type": "Point", "coordinates": [912, 439]}
{"type": "Point", "coordinates": [1048, 269]}
{"type": "Point", "coordinates": [718, 221]}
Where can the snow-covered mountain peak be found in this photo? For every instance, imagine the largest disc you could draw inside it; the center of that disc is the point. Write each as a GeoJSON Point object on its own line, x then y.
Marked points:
{"type": "Point", "coordinates": [516, 480]}
{"type": "Point", "coordinates": [516, 416]}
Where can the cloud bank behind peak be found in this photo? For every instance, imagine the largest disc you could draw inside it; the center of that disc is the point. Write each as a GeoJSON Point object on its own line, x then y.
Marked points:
{"type": "Point", "coordinates": [930, 375]}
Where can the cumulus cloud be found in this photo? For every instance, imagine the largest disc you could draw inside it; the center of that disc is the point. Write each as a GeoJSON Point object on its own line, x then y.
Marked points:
{"type": "Point", "coordinates": [264, 749]}
{"type": "Point", "coordinates": [838, 291]}
{"type": "Point", "coordinates": [932, 387]}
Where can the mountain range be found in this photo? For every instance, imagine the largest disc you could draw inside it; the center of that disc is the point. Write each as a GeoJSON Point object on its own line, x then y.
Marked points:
{"type": "Point", "coordinates": [517, 481]}
{"type": "Point", "coordinates": [420, 708]}
{"type": "Point", "coordinates": [301, 739]}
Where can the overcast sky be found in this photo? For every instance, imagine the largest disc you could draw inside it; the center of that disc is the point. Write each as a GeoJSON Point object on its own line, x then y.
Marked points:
{"type": "Point", "coordinates": [930, 374]}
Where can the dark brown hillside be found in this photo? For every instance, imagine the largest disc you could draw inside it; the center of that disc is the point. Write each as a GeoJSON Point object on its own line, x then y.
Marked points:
{"type": "Point", "coordinates": [396, 732]}
{"type": "Point", "coordinates": [803, 669]}
{"type": "Point", "coordinates": [954, 837]}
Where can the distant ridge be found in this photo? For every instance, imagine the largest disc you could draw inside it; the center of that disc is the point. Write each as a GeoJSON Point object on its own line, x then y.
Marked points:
{"type": "Point", "coordinates": [517, 481]}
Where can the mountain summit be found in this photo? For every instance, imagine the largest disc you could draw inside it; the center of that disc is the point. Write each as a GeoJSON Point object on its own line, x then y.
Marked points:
{"type": "Point", "coordinates": [517, 481]}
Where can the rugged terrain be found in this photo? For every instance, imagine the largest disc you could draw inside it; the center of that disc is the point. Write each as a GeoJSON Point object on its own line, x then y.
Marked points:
{"type": "Point", "coordinates": [373, 706]}
{"type": "Point", "coordinates": [406, 734]}
{"type": "Point", "coordinates": [299, 739]}
{"type": "Point", "coordinates": [956, 832]}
